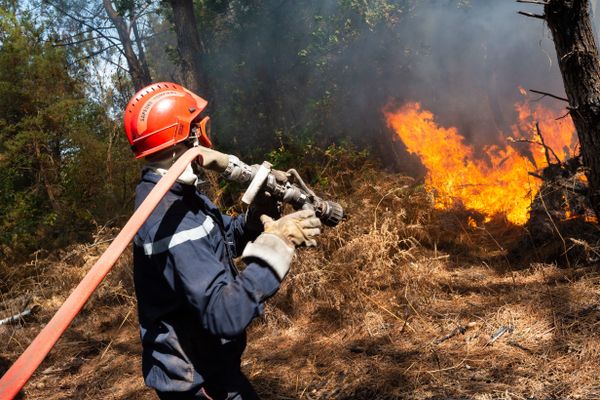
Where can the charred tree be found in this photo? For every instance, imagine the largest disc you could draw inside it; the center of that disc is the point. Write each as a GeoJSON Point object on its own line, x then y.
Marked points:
{"type": "Point", "coordinates": [561, 227]}
{"type": "Point", "coordinates": [571, 27]}
{"type": "Point", "coordinates": [189, 47]}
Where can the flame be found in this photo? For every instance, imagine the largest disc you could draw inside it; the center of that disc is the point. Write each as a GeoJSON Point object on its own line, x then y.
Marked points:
{"type": "Point", "coordinates": [496, 183]}
{"type": "Point", "coordinates": [471, 223]}
{"type": "Point", "coordinates": [559, 135]}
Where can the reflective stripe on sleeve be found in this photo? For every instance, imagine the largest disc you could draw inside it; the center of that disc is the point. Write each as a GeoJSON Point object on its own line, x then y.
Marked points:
{"type": "Point", "coordinates": [169, 242]}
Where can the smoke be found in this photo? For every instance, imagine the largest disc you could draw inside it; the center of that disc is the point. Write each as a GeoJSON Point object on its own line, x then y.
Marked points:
{"type": "Point", "coordinates": [328, 68]}
{"type": "Point", "coordinates": [470, 61]}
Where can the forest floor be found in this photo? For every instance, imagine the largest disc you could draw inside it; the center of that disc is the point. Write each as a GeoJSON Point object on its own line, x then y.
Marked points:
{"type": "Point", "coordinates": [399, 302]}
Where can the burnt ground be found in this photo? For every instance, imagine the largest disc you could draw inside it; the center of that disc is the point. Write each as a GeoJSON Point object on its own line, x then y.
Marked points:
{"type": "Point", "coordinates": [398, 302]}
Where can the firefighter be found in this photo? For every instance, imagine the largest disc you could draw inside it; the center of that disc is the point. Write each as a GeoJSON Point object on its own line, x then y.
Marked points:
{"type": "Point", "coordinates": [193, 304]}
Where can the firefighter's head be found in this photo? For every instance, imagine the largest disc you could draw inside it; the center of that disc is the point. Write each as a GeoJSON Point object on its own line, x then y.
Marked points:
{"type": "Point", "coordinates": [164, 114]}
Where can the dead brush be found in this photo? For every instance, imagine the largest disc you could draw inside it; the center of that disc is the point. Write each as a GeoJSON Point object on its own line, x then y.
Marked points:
{"type": "Point", "coordinates": [372, 251]}
{"type": "Point", "coordinates": [379, 311]}
{"type": "Point", "coordinates": [376, 311]}
{"type": "Point", "coordinates": [93, 354]}
{"type": "Point", "coordinates": [380, 253]}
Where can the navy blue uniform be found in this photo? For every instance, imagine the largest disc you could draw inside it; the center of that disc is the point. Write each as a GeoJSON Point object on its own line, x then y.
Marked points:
{"type": "Point", "coordinates": [193, 304]}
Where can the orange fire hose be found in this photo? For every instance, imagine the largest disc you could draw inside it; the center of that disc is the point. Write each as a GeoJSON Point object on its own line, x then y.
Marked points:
{"type": "Point", "coordinates": [20, 372]}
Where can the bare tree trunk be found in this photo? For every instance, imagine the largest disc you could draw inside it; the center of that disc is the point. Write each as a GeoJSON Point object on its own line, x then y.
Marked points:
{"type": "Point", "coordinates": [571, 27]}
{"type": "Point", "coordinates": [139, 75]}
{"type": "Point", "coordinates": [189, 47]}
{"type": "Point", "coordinates": [140, 46]}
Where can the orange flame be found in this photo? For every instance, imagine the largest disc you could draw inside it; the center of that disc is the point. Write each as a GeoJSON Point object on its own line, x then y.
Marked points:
{"type": "Point", "coordinates": [498, 182]}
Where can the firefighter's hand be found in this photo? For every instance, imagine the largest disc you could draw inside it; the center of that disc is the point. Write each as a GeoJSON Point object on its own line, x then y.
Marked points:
{"type": "Point", "coordinates": [214, 160]}
{"type": "Point", "coordinates": [275, 247]}
{"type": "Point", "coordinates": [296, 229]}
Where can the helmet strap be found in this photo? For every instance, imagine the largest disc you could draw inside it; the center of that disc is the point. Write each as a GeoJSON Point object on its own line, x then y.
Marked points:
{"type": "Point", "coordinates": [193, 140]}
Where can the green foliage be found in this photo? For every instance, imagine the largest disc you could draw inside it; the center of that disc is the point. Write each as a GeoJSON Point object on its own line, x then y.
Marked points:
{"type": "Point", "coordinates": [53, 143]}
{"type": "Point", "coordinates": [290, 80]}
{"type": "Point", "coordinates": [292, 68]}
{"type": "Point", "coordinates": [315, 164]}
{"type": "Point", "coordinates": [321, 168]}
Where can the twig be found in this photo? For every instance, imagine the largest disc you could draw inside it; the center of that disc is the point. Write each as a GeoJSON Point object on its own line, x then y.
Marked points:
{"type": "Point", "coordinates": [586, 246]}
{"type": "Point", "coordinates": [519, 346]}
{"type": "Point", "coordinates": [532, 15]}
{"type": "Point", "coordinates": [118, 329]}
{"type": "Point", "coordinates": [410, 304]}
{"type": "Point", "coordinates": [549, 95]}
{"type": "Point", "coordinates": [89, 246]}
{"type": "Point", "coordinates": [448, 368]}
{"type": "Point", "coordinates": [499, 333]}
{"type": "Point", "coordinates": [458, 330]}
{"type": "Point", "coordinates": [555, 228]}
{"type": "Point", "coordinates": [381, 306]}
{"type": "Point", "coordinates": [547, 148]}
{"type": "Point", "coordinates": [19, 302]}
{"type": "Point", "coordinates": [536, 175]}
{"type": "Point", "coordinates": [539, 2]}
{"type": "Point", "coordinates": [16, 317]}
{"type": "Point", "coordinates": [502, 249]}
{"type": "Point", "coordinates": [543, 144]}
{"type": "Point", "coordinates": [561, 184]}
{"type": "Point", "coordinates": [302, 394]}
{"type": "Point", "coordinates": [379, 203]}
{"type": "Point", "coordinates": [564, 115]}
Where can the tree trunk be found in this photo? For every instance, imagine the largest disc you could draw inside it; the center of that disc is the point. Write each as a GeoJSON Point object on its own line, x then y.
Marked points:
{"type": "Point", "coordinates": [189, 47]}
{"type": "Point", "coordinates": [139, 75]}
{"type": "Point", "coordinates": [571, 27]}
{"type": "Point", "coordinates": [140, 47]}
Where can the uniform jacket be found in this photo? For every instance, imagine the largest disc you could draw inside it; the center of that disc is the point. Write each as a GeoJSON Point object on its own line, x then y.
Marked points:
{"type": "Point", "coordinates": [193, 304]}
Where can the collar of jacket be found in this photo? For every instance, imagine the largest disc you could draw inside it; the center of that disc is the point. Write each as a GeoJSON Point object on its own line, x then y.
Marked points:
{"type": "Point", "coordinates": [149, 175]}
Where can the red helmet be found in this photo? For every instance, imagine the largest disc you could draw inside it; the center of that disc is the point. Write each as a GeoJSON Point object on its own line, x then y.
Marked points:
{"type": "Point", "coordinates": [162, 115]}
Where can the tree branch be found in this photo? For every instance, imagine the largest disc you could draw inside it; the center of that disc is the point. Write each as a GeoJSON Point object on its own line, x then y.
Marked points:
{"type": "Point", "coordinates": [539, 2]}
{"type": "Point", "coordinates": [138, 15]}
{"type": "Point", "coordinates": [563, 116]}
{"type": "Point", "coordinates": [93, 54]}
{"type": "Point", "coordinates": [84, 23]}
{"type": "Point", "coordinates": [85, 40]}
{"type": "Point", "coordinates": [532, 15]}
{"type": "Point", "coordinates": [119, 66]}
{"type": "Point", "coordinates": [536, 175]}
{"type": "Point", "coordinates": [547, 149]}
{"type": "Point", "coordinates": [529, 141]}
{"type": "Point", "coordinates": [548, 94]}
{"type": "Point", "coordinates": [153, 35]}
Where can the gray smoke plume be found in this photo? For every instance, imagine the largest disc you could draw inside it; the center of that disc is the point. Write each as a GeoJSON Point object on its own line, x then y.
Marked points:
{"type": "Point", "coordinates": [470, 61]}
{"type": "Point", "coordinates": [290, 67]}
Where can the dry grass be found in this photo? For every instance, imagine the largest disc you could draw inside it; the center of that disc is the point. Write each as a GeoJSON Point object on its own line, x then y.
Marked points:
{"type": "Point", "coordinates": [367, 315]}
{"type": "Point", "coordinates": [98, 356]}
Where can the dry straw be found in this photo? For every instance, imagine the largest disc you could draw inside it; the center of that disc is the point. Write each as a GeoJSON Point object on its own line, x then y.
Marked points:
{"type": "Point", "coordinates": [399, 302]}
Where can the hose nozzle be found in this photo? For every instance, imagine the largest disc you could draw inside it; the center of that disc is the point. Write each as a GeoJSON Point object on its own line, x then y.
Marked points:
{"type": "Point", "coordinates": [299, 195]}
